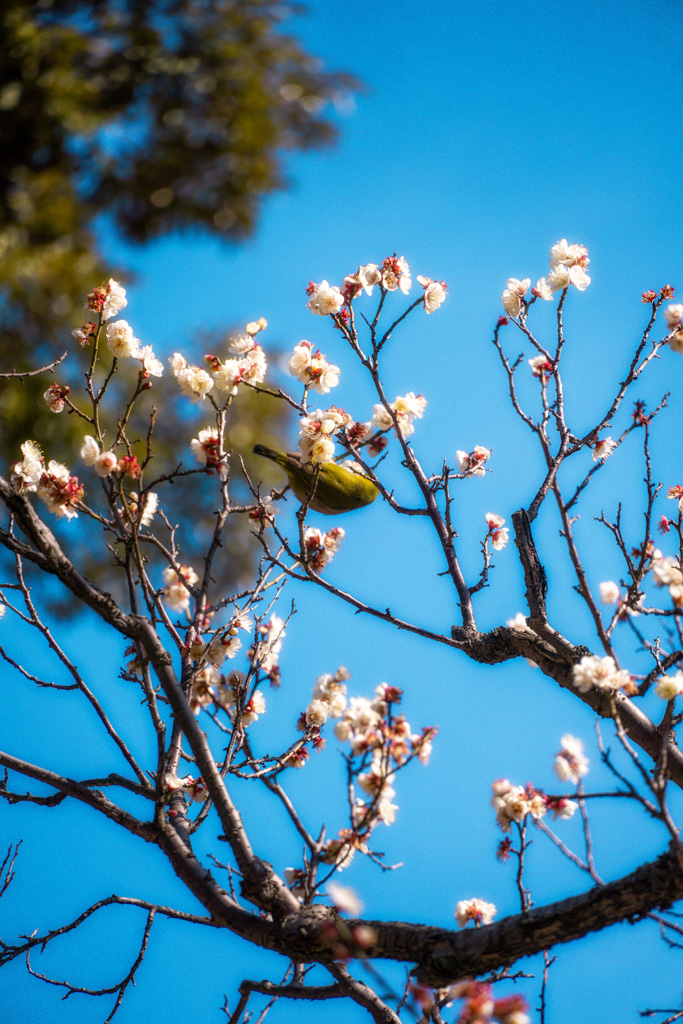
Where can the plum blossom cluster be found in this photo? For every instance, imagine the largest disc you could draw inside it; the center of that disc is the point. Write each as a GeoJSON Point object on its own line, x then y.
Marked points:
{"type": "Point", "coordinates": [104, 463]}
{"type": "Point", "coordinates": [194, 788]}
{"type": "Point", "coordinates": [312, 368]}
{"type": "Point", "coordinates": [54, 484]}
{"type": "Point", "coordinates": [666, 572]}
{"type": "Point", "coordinates": [225, 644]}
{"type": "Point", "coordinates": [26, 472]}
{"type": "Point", "coordinates": [328, 701]}
{"type": "Point", "coordinates": [324, 299]}
{"type": "Point", "coordinates": [514, 803]}
{"type": "Point", "coordinates": [472, 463]}
{"type": "Point", "coordinates": [406, 409]}
{"type": "Point", "coordinates": [226, 692]}
{"type": "Point", "coordinates": [121, 341]}
{"type": "Point", "coordinates": [266, 653]}
{"type": "Point", "coordinates": [123, 344]}
{"type": "Point", "coordinates": [480, 1007]}
{"type": "Point", "coordinates": [59, 490]}
{"type": "Point", "coordinates": [321, 547]}
{"type": "Point", "coordinates": [194, 383]}
{"type": "Point", "coordinates": [513, 295]}
{"type": "Point", "coordinates": [674, 493]}
{"type": "Point", "coordinates": [206, 448]}
{"type": "Point", "coordinates": [250, 367]}
{"type": "Point", "coordinates": [568, 266]}
{"type": "Point", "coordinates": [107, 300]}
{"type": "Point", "coordinates": [602, 673]}
{"type": "Point", "coordinates": [383, 741]}
{"type": "Point", "coordinates": [393, 274]}
{"type": "Point", "coordinates": [498, 534]}
{"type": "Point", "coordinates": [316, 431]}
{"type": "Point", "coordinates": [177, 591]}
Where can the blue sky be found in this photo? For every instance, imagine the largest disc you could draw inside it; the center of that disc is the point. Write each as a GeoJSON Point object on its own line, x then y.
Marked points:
{"type": "Point", "coordinates": [486, 133]}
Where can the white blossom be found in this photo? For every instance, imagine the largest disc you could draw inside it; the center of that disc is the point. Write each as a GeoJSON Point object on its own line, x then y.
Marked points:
{"type": "Point", "coordinates": [54, 399]}
{"type": "Point", "coordinates": [254, 365]}
{"type": "Point", "coordinates": [27, 472]}
{"type": "Point", "coordinates": [317, 713]}
{"type": "Point", "coordinates": [115, 299]}
{"type": "Point", "coordinates": [668, 687]}
{"type": "Point", "coordinates": [511, 803]}
{"type": "Point", "coordinates": [475, 910]}
{"type": "Point", "coordinates": [103, 462]}
{"type": "Point", "coordinates": [313, 369]}
{"type": "Point", "coordinates": [593, 670]}
{"type": "Point", "coordinates": [255, 706]}
{"type": "Point", "coordinates": [513, 295]}
{"type": "Point", "coordinates": [472, 463]}
{"type": "Point", "coordinates": [121, 341]}
{"type": "Point", "coordinates": [325, 299]}
{"type": "Point", "coordinates": [106, 463]}
{"type": "Point", "coordinates": [345, 899]}
{"type": "Point", "coordinates": [435, 293]}
{"type": "Point", "coordinates": [176, 593]}
{"type": "Point", "coordinates": [204, 447]}
{"type": "Point", "coordinates": [540, 367]}
{"type": "Point", "coordinates": [396, 274]}
{"type": "Point", "coordinates": [194, 383]}
{"type": "Point", "coordinates": [563, 254]}
{"type": "Point", "coordinates": [570, 763]}
{"type": "Point", "coordinates": [499, 537]}
{"type": "Point", "coordinates": [150, 363]}
{"type": "Point", "coordinates": [59, 490]}
{"type": "Point", "coordinates": [151, 504]}
{"type": "Point", "coordinates": [241, 345]}
{"type": "Point", "coordinates": [228, 376]}
{"type": "Point", "coordinates": [368, 276]}
{"type": "Point", "coordinates": [666, 571]}
{"type": "Point", "coordinates": [673, 314]}
{"type": "Point", "coordinates": [603, 449]}
{"type": "Point", "coordinates": [609, 592]}
{"type": "Point", "coordinates": [564, 809]}
{"type": "Point", "coordinates": [255, 326]}
{"type": "Point", "coordinates": [90, 450]}
{"type": "Point", "coordinates": [543, 289]}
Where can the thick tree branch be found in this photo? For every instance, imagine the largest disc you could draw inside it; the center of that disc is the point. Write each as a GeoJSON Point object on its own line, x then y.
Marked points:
{"type": "Point", "coordinates": [444, 957]}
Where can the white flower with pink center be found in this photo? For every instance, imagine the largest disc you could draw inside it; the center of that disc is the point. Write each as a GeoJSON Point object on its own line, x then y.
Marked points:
{"type": "Point", "coordinates": [435, 293]}
{"type": "Point", "coordinates": [603, 449]}
{"type": "Point", "coordinates": [121, 341]}
{"type": "Point", "coordinates": [324, 299]}
{"type": "Point", "coordinates": [499, 536]}
{"type": "Point", "coordinates": [475, 910]}
{"type": "Point", "coordinates": [602, 673]}
{"type": "Point", "coordinates": [571, 764]}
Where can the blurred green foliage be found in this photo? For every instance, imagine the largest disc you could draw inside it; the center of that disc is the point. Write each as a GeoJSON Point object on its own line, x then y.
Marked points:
{"type": "Point", "coordinates": [159, 114]}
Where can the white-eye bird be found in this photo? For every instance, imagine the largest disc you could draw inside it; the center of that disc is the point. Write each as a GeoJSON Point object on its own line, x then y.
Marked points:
{"type": "Point", "coordinates": [338, 490]}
